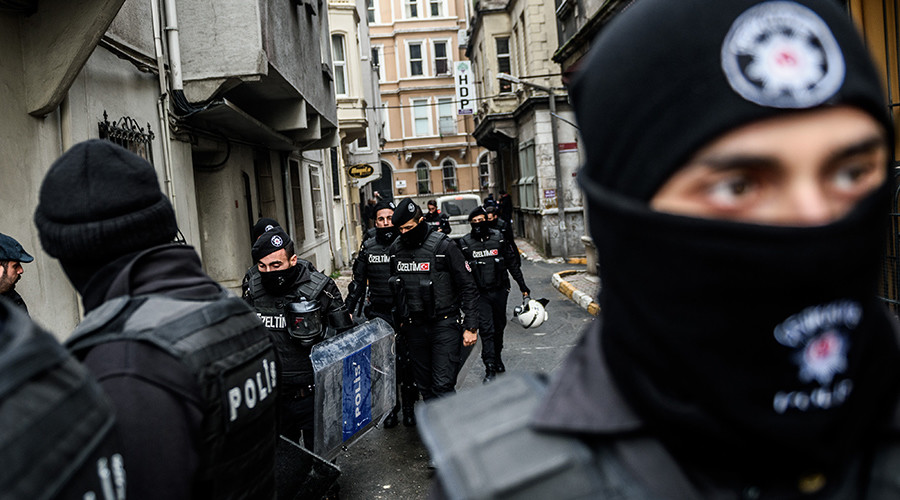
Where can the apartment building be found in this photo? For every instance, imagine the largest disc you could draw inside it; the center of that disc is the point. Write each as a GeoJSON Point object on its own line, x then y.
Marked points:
{"type": "Point", "coordinates": [526, 121]}
{"type": "Point", "coordinates": [232, 101]}
{"type": "Point", "coordinates": [428, 150]}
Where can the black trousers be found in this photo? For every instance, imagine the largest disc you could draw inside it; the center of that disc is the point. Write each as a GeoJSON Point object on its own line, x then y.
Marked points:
{"type": "Point", "coordinates": [492, 322]}
{"type": "Point", "coordinates": [435, 347]}
{"type": "Point", "coordinates": [407, 393]}
{"type": "Point", "coordinates": [296, 415]}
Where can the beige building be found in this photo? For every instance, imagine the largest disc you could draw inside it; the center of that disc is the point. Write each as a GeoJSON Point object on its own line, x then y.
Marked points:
{"type": "Point", "coordinates": [534, 146]}
{"type": "Point", "coordinates": [232, 101]}
{"type": "Point", "coordinates": [428, 150]}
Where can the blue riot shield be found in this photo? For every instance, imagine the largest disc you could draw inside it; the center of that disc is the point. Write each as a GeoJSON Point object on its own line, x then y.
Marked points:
{"type": "Point", "coordinates": [355, 376]}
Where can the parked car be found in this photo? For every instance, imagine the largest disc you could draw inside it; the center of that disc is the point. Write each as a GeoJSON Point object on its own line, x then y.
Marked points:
{"type": "Point", "coordinates": [457, 207]}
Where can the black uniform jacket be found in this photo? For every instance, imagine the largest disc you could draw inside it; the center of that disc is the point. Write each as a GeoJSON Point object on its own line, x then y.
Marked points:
{"type": "Point", "coordinates": [583, 401]}
{"type": "Point", "coordinates": [158, 402]}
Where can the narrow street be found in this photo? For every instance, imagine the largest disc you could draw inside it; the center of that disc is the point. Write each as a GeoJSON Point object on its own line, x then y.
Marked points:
{"type": "Point", "coordinates": [393, 463]}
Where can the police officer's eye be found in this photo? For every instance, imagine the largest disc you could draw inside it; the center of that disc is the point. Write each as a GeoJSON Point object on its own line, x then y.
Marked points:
{"type": "Point", "coordinates": [731, 189]}
{"type": "Point", "coordinates": [855, 174]}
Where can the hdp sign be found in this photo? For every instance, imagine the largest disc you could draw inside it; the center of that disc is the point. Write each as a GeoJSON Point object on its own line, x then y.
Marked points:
{"type": "Point", "coordinates": [361, 170]}
{"type": "Point", "coordinates": [465, 89]}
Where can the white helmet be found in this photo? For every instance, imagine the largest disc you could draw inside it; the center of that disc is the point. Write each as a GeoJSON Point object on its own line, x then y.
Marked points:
{"type": "Point", "coordinates": [531, 313]}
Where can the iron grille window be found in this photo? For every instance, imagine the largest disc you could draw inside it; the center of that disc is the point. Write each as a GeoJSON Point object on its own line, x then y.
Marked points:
{"type": "Point", "coordinates": [127, 133]}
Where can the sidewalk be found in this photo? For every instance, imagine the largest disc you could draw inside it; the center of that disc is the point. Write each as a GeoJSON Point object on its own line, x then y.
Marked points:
{"type": "Point", "coordinates": [579, 286]}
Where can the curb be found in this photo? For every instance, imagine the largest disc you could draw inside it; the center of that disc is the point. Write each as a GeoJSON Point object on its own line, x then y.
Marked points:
{"type": "Point", "coordinates": [582, 299]}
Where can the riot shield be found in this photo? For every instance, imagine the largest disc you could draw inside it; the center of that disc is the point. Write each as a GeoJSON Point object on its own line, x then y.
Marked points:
{"type": "Point", "coordinates": [355, 376]}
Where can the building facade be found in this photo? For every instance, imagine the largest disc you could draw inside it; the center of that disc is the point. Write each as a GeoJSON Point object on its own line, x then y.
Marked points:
{"type": "Point", "coordinates": [217, 94]}
{"type": "Point", "coordinates": [359, 118]}
{"type": "Point", "coordinates": [526, 121]}
{"type": "Point", "coordinates": [428, 150]}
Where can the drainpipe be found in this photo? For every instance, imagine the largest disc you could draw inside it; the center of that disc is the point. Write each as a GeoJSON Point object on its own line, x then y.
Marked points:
{"type": "Point", "coordinates": [162, 104]}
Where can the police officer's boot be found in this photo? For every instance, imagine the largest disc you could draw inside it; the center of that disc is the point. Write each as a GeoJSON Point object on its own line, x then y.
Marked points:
{"type": "Point", "coordinates": [490, 372]}
{"type": "Point", "coordinates": [498, 364]}
{"type": "Point", "coordinates": [391, 421]}
{"type": "Point", "coordinates": [409, 417]}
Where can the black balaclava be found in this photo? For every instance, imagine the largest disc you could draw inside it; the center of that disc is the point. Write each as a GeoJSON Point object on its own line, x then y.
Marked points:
{"type": "Point", "coordinates": [406, 211]}
{"type": "Point", "coordinates": [481, 229]}
{"type": "Point", "coordinates": [759, 352]}
{"type": "Point", "coordinates": [275, 282]}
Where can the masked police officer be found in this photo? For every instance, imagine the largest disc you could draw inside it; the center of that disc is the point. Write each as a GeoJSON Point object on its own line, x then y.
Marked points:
{"type": "Point", "coordinates": [739, 216]}
{"type": "Point", "coordinates": [189, 369]}
{"type": "Point", "coordinates": [492, 259]}
{"type": "Point", "coordinates": [300, 308]}
{"type": "Point", "coordinates": [491, 213]}
{"type": "Point", "coordinates": [59, 438]}
{"type": "Point", "coordinates": [437, 220]}
{"type": "Point", "coordinates": [431, 284]}
{"type": "Point", "coordinates": [371, 272]}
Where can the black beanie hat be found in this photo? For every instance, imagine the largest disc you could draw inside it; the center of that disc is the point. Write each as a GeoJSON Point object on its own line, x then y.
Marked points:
{"type": "Point", "coordinates": [100, 201]}
{"type": "Point", "coordinates": [476, 212]}
{"type": "Point", "coordinates": [271, 241]}
{"type": "Point", "coordinates": [262, 225]}
{"type": "Point", "coordinates": [666, 77]}
{"type": "Point", "coordinates": [406, 210]}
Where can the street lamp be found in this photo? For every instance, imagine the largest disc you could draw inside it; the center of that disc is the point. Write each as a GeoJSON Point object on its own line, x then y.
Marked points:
{"type": "Point", "coordinates": [560, 195]}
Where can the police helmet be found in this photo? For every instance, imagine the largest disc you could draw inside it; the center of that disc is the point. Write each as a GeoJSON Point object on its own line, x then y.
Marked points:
{"type": "Point", "coordinates": [531, 313]}
{"type": "Point", "coordinates": [304, 322]}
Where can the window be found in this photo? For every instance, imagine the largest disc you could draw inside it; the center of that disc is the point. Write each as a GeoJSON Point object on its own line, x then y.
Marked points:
{"type": "Point", "coordinates": [420, 117]}
{"type": "Point", "coordinates": [363, 142]}
{"type": "Point", "coordinates": [423, 181]}
{"type": "Point", "coordinates": [265, 184]}
{"type": "Point", "coordinates": [385, 127]}
{"type": "Point", "coordinates": [412, 9]}
{"type": "Point", "coordinates": [527, 183]}
{"type": "Point", "coordinates": [446, 118]}
{"type": "Point", "coordinates": [449, 171]}
{"type": "Point", "coordinates": [441, 61]}
{"type": "Point", "coordinates": [376, 61]}
{"type": "Point", "coordinates": [339, 60]}
{"type": "Point", "coordinates": [296, 200]}
{"type": "Point", "coordinates": [315, 186]}
{"type": "Point", "coordinates": [415, 59]}
{"type": "Point", "coordinates": [437, 8]}
{"type": "Point", "coordinates": [335, 174]}
{"type": "Point", "coordinates": [484, 171]}
{"type": "Point", "coordinates": [503, 65]}
{"type": "Point", "coordinates": [370, 11]}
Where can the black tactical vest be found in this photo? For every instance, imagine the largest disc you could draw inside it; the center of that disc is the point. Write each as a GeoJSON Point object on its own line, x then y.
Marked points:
{"type": "Point", "coordinates": [222, 343]}
{"type": "Point", "coordinates": [296, 368]}
{"type": "Point", "coordinates": [426, 279]}
{"type": "Point", "coordinates": [486, 260]}
{"type": "Point", "coordinates": [58, 438]}
{"type": "Point", "coordinates": [378, 271]}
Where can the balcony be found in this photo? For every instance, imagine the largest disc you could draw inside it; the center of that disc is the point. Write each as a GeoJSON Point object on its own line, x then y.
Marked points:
{"type": "Point", "coordinates": [259, 66]}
